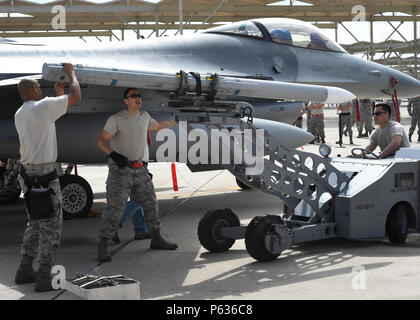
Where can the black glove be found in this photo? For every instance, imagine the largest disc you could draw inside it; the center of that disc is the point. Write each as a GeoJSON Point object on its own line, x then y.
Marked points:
{"type": "Point", "coordinates": [119, 159]}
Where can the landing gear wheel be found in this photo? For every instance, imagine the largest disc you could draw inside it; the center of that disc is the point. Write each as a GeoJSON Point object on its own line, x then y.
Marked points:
{"type": "Point", "coordinates": [397, 225]}
{"type": "Point", "coordinates": [209, 229]}
{"type": "Point", "coordinates": [255, 234]}
{"type": "Point", "coordinates": [9, 193]}
{"type": "Point", "coordinates": [77, 196]}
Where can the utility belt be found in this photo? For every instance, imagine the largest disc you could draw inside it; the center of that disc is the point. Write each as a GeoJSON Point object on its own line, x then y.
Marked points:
{"type": "Point", "coordinates": [38, 195]}
{"type": "Point", "coordinates": [345, 114]}
{"type": "Point", "coordinates": [139, 164]}
{"type": "Point", "coordinates": [136, 164]}
{"type": "Point", "coordinates": [317, 115]}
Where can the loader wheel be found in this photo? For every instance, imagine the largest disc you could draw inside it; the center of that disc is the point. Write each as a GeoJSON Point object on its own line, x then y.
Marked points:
{"type": "Point", "coordinates": [255, 234]}
{"type": "Point", "coordinates": [209, 229]}
{"type": "Point", "coordinates": [397, 225]}
{"type": "Point", "coordinates": [77, 196]}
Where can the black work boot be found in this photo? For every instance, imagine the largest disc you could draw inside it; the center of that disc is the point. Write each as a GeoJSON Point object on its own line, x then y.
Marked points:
{"type": "Point", "coordinates": [360, 134]}
{"type": "Point", "coordinates": [103, 254]}
{"type": "Point", "coordinates": [409, 137]}
{"type": "Point", "coordinates": [159, 243]}
{"type": "Point", "coordinates": [25, 272]}
{"type": "Point", "coordinates": [340, 140]}
{"type": "Point", "coordinates": [322, 140]}
{"type": "Point", "coordinates": [351, 140]}
{"type": "Point", "coordinates": [43, 279]}
{"type": "Point", "coordinates": [115, 238]}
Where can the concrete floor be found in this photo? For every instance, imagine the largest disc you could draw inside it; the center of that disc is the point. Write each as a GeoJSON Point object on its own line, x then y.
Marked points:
{"type": "Point", "coordinates": [318, 270]}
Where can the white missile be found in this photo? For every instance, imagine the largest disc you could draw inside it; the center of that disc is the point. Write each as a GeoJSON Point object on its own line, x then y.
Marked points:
{"type": "Point", "coordinates": [222, 86]}
{"type": "Point", "coordinates": [284, 134]}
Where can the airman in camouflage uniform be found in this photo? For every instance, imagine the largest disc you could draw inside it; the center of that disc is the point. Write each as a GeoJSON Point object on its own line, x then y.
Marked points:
{"type": "Point", "coordinates": [47, 241]}
{"type": "Point", "coordinates": [317, 120]}
{"type": "Point", "coordinates": [353, 112]}
{"type": "Point", "coordinates": [414, 111]}
{"type": "Point", "coordinates": [365, 118]}
{"type": "Point", "coordinates": [344, 110]}
{"type": "Point", "coordinates": [35, 124]}
{"type": "Point", "coordinates": [308, 118]}
{"type": "Point", "coordinates": [123, 139]}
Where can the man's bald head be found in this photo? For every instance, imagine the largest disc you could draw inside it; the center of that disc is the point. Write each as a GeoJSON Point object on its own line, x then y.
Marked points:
{"type": "Point", "coordinates": [29, 89]}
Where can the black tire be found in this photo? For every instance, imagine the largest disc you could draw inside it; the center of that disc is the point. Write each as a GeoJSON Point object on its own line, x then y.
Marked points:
{"type": "Point", "coordinates": [255, 234]}
{"type": "Point", "coordinates": [77, 196]}
{"type": "Point", "coordinates": [209, 229]}
{"type": "Point", "coordinates": [10, 194]}
{"type": "Point", "coordinates": [242, 185]}
{"type": "Point", "coordinates": [397, 224]}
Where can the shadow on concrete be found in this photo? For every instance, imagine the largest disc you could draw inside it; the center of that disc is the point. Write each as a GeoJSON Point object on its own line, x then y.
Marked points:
{"type": "Point", "coordinates": [302, 263]}
{"type": "Point", "coordinates": [189, 272]}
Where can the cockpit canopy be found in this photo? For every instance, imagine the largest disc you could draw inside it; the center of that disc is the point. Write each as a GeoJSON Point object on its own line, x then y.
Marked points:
{"type": "Point", "coordinates": [284, 31]}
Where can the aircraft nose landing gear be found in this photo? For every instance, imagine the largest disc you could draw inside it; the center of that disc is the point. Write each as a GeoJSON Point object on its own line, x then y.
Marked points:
{"type": "Point", "coordinates": [77, 196]}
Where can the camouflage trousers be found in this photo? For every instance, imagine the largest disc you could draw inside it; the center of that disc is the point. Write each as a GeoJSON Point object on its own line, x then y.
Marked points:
{"type": "Point", "coordinates": [345, 124]}
{"type": "Point", "coordinates": [414, 122]}
{"type": "Point", "coordinates": [317, 125]}
{"type": "Point", "coordinates": [308, 123]}
{"type": "Point", "coordinates": [365, 122]}
{"type": "Point", "coordinates": [43, 236]}
{"type": "Point", "coordinates": [120, 184]}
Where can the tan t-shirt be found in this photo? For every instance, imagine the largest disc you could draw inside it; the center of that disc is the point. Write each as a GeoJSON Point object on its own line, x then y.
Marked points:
{"type": "Point", "coordinates": [317, 111]}
{"type": "Point", "coordinates": [35, 124]}
{"type": "Point", "coordinates": [382, 136]}
{"type": "Point", "coordinates": [129, 133]}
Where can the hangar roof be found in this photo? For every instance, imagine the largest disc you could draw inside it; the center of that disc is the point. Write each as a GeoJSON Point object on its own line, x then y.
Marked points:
{"type": "Point", "coordinates": [86, 17]}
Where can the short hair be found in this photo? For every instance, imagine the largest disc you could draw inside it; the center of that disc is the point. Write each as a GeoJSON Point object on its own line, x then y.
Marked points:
{"type": "Point", "coordinates": [24, 86]}
{"type": "Point", "coordinates": [385, 106]}
{"type": "Point", "coordinates": [126, 92]}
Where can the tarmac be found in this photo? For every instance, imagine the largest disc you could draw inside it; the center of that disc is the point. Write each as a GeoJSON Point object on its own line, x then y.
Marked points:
{"type": "Point", "coordinates": [328, 269]}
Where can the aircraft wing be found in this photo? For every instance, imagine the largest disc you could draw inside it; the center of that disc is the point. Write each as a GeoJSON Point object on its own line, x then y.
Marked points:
{"type": "Point", "coordinates": [15, 81]}
{"type": "Point", "coordinates": [212, 84]}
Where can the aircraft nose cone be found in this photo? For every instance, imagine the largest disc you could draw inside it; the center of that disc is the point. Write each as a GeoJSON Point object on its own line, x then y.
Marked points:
{"type": "Point", "coordinates": [407, 87]}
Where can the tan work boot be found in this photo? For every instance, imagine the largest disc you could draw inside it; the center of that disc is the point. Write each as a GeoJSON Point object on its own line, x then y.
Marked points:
{"type": "Point", "coordinates": [159, 243]}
